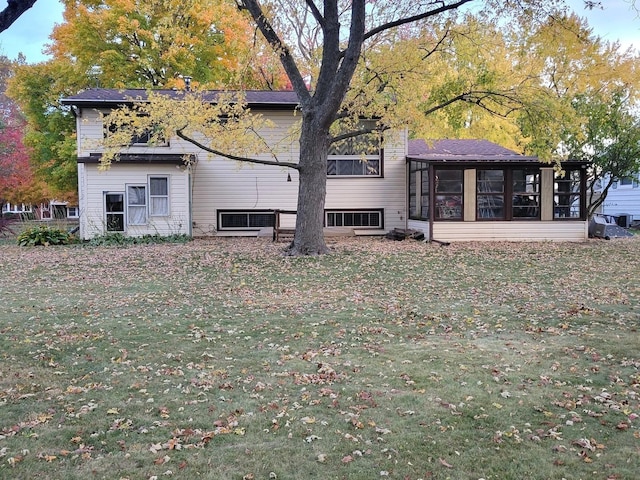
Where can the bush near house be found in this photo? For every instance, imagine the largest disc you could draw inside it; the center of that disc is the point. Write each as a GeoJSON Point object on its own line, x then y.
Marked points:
{"type": "Point", "coordinates": [44, 235]}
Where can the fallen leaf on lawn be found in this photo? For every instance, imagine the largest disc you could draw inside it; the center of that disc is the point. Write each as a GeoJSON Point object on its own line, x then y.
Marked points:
{"type": "Point", "coordinates": [444, 463]}
{"type": "Point", "coordinates": [347, 459]}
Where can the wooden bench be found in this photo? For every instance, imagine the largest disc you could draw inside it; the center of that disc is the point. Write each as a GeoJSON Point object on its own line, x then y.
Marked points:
{"type": "Point", "coordinates": [280, 232]}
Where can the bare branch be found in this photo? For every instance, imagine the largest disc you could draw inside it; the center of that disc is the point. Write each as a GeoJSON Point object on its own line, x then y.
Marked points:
{"type": "Point", "coordinates": [286, 58]}
{"type": "Point", "coordinates": [316, 13]}
{"type": "Point", "coordinates": [414, 18]}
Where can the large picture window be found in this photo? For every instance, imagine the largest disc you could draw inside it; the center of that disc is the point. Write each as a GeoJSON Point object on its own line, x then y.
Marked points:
{"type": "Point", "coordinates": [356, 156]}
{"type": "Point", "coordinates": [449, 197]}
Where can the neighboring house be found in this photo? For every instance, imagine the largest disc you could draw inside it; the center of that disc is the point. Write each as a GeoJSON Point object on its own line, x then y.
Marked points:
{"type": "Point", "coordinates": [623, 198]}
{"type": "Point", "coordinates": [44, 211]}
{"type": "Point", "coordinates": [452, 190]}
{"type": "Point", "coordinates": [477, 190]}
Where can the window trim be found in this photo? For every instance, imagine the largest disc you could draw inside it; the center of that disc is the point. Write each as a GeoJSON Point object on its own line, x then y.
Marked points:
{"type": "Point", "coordinates": [122, 212]}
{"type": "Point", "coordinates": [343, 211]}
{"type": "Point", "coordinates": [508, 194]}
{"type": "Point", "coordinates": [581, 194]}
{"type": "Point", "coordinates": [129, 205]}
{"type": "Point", "coordinates": [436, 193]}
{"type": "Point", "coordinates": [362, 157]}
{"type": "Point", "coordinates": [248, 228]}
{"type": "Point", "coordinates": [167, 196]}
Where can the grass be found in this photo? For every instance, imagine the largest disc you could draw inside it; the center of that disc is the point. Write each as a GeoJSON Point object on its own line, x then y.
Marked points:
{"type": "Point", "coordinates": [224, 359]}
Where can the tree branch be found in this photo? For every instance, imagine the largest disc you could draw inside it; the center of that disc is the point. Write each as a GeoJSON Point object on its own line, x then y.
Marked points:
{"type": "Point", "coordinates": [12, 12]}
{"type": "Point", "coordinates": [316, 13]}
{"type": "Point", "coordinates": [259, 161]}
{"type": "Point", "coordinates": [287, 60]}
{"type": "Point", "coordinates": [414, 18]}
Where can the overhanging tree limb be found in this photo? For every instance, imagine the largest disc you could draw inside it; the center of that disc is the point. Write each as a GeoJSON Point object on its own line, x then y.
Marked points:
{"type": "Point", "coordinates": [414, 18]}
{"type": "Point", "coordinates": [12, 12]}
{"type": "Point", "coordinates": [259, 161]}
{"type": "Point", "coordinates": [286, 58]}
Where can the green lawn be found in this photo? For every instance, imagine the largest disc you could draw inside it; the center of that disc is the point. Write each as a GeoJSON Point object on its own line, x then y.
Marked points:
{"type": "Point", "coordinates": [224, 359]}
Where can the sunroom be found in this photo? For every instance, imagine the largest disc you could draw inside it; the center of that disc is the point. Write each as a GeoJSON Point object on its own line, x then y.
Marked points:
{"type": "Point", "coordinates": [464, 190]}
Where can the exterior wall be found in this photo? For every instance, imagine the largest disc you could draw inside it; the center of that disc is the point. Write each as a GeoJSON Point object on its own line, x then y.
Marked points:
{"type": "Point", "coordinates": [624, 199]}
{"type": "Point", "coordinates": [510, 231]}
{"type": "Point", "coordinates": [221, 184]}
{"type": "Point", "coordinates": [93, 183]}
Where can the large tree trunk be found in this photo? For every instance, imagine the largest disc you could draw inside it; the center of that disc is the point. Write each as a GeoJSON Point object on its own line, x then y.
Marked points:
{"type": "Point", "coordinates": [314, 146]}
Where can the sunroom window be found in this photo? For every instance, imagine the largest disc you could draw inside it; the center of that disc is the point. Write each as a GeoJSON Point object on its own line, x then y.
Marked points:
{"type": "Point", "coordinates": [449, 197]}
{"type": "Point", "coordinates": [418, 191]}
{"type": "Point", "coordinates": [567, 196]}
{"type": "Point", "coordinates": [490, 194]}
{"type": "Point", "coordinates": [526, 193]}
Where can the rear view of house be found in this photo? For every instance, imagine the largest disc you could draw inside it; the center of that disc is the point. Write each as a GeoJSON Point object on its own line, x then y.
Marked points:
{"type": "Point", "coordinates": [152, 190]}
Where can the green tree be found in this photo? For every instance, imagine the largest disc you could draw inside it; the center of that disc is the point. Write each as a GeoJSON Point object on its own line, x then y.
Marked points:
{"type": "Point", "coordinates": [608, 136]}
{"type": "Point", "coordinates": [117, 43]}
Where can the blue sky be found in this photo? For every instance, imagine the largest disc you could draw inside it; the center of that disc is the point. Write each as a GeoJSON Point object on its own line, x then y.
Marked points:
{"type": "Point", "coordinates": [617, 21]}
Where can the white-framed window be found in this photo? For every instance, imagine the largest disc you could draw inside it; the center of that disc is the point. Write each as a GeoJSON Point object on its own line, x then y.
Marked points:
{"type": "Point", "coordinates": [150, 137]}
{"type": "Point", "coordinates": [359, 156]}
{"type": "Point", "coordinates": [114, 211]}
{"type": "Point", "coordinates": [136, 204]}
{"type": "Point", "coordinates": [73, 212]}
{"type": "Point", "coordinates": [158, 196]}
{"type": "Point", "coordinates": [245, 219]}
{"type": "Point", "coordinates": [354, 218]}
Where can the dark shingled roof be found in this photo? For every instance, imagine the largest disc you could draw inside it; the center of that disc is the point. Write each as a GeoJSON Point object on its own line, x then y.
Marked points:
{"type": "Point", "coordinates": [463, 151]}
{"type": "Point", "coordinates": [94, 97]}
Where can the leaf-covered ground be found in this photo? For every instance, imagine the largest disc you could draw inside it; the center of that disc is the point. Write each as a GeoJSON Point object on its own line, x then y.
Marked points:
{"type": "Point", "coordinates": [225, 359]}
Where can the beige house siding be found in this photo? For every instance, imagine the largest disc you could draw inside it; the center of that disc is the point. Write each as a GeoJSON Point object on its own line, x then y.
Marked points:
{"type": "Point", "coordinates": [220, 184]}
{"type": "Point", "coordinates": [93, 184]}
{"type": "Point", "coordinates": [510, 231]}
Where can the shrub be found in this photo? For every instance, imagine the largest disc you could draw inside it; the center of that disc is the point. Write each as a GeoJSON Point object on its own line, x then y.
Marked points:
{"type": "Point", "coordinates": [43, 235]}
